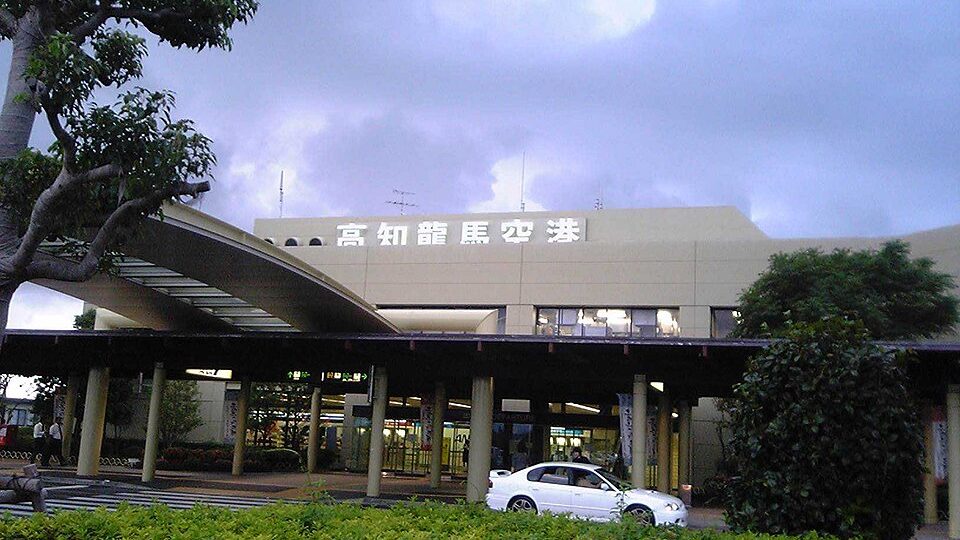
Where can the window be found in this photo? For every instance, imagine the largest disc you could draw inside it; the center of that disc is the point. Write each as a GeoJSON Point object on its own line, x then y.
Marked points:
{"type": "Point", "coordinates": [550, 475]}
{"type": "Point", "coordinates": [602, 322]}
{"type": "Point", "coordinates": [291, 242]}
{"type": "Point", "coordinates": [269, 240]}
{"type": "Point", "coordinates": [723, 322]}
{"type": "Point", "coordinates": [316, 241]}
{"type": "Point", "coordinates": [586, 479]}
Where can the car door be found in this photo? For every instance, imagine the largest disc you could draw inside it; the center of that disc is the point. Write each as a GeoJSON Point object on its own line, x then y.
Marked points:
{"type": "Point", "coordinates": [592, 497]}
{"type": "Point", "coordinates": [550, 489]}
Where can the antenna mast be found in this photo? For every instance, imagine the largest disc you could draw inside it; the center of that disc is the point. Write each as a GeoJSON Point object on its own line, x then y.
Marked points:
{"type": "Point", "coordinates": [402, 203]}
{"type": "Point", "coordinates": [598, 202]}
{"type": "Point", "coordinates": [523, 170]}
{"type": "Point", "coordinates": [281, 192]}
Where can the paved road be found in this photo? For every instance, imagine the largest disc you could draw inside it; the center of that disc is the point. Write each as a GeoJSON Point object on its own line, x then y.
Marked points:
{"type": "Point", "coordinates": [89, 498]}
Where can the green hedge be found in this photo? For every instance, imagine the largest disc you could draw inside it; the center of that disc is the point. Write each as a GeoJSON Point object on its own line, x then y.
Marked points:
{"type": "Point", "coordinates": [221, 459]}
{"type": "Point", "coordinates": [340, 521]}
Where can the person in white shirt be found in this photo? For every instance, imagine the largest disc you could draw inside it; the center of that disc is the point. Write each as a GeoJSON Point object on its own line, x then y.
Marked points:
{"type": "Point", "coordinates": [39, 437]}
{"type": "Point", "coordinates": [55, 444]}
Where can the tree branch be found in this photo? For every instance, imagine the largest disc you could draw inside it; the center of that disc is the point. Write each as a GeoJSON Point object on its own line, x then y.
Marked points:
{"type": "Point", "coordinates": [87, 28]}
{"type": "Point", "coordinates": [67, 142]}
{"type": "Point", "coordinates": [44, 268]}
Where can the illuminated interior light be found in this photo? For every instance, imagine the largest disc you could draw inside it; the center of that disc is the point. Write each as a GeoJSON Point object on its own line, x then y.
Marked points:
{"type": "Point", "coordinates": [584, 407]}
{"type": "Point", "coordinates": [657, 386]}
{"type": "Point", "coordinates": [675, 415]}
{"type": "Point", "coordinates": [460, 405]}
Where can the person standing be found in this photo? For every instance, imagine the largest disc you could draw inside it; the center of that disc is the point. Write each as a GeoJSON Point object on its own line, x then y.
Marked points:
{"type": "Point", "coordinates": [39, 437]}
{"type": "Point", "coordinates": [55, 444]}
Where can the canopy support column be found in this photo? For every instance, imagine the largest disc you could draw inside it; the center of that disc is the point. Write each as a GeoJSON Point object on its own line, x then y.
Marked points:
{"type": "Point", "coordinates": [94, 418]}
{"type": "Point", "coordinates": [240, 439]}
{"type": "Point", "coordinates": [313, 440]}
{"type": "Point", "coordinates": [481, 438]}
{"type": "Point", "coordinates": [377, 418]}
{"type": "Point", "coordinates": [152, 443]}
{"type": "Point", "coordinates": [436, 448]}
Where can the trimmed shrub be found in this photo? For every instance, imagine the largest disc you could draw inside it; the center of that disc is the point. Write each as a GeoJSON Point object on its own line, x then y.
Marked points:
{"type": "Point", "coordinates": [340, 521]}
{"type": "Point", "coordinates": [826, 437]}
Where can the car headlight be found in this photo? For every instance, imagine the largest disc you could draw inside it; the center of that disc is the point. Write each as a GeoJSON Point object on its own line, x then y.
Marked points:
{"type": "Point", "coordinates": [673, 507]}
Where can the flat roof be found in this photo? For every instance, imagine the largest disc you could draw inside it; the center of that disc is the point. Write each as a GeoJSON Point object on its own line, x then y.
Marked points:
{"type": "Point", "coordinates": [553, 368]}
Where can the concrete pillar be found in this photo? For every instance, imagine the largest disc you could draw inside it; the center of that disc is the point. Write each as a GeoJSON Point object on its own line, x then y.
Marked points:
{"type": "Point", "coordinates": [377, 417]}
{"type": "Point", "coordinates": [481, 438]}
{"type": "Point", "coordinates": [638, 441]}
{"type": "Point", "coordinates": [929, 477]}
{"type": "Point", "coordinates": [240, 440]}
{"type": "Point", "coordinates": [436, 448]}
{"type": "Point", "coordinates": [664, 434]}
{"type": "Point", "coordinates": [685, 412]}
{"type": "Point", "coordinates": [94, 418]}
{"type": "Point", "coordinates": [153, 423]}
{"type": "Point", "coordinates": [953, 458]}
{"type": "Point", "coordinates": [70, 413]}
{"type": "Point", "coordinates": [313, 441]}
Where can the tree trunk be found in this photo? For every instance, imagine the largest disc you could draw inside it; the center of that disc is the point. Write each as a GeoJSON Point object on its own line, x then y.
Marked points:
{"type": "Point", "coordinates": [17, 115]}
{"type": "Point", "coordinates": [6, 295]}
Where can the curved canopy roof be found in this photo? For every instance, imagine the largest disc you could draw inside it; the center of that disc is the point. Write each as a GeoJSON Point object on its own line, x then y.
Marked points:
{"type": "Point", "coordinates": [190, 271]}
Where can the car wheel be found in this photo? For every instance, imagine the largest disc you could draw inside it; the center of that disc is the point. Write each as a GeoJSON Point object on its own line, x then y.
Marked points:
{"type": "Point", "coordinates": [522, 504]}
{"type": "Point", "coordinates": [641, 514]}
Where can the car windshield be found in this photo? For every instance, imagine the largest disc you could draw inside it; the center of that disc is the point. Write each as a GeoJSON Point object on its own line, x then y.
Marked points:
{"type": "Point", "coordinates": [612, 478]}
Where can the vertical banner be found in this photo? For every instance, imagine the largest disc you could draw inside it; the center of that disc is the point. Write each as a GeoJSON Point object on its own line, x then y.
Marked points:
{"type": "Point", "coordinates": [230, 420]}
{"type": "Point", "coordinates": [939, 425]}
{"type": "Point", "coordinates": [426, 421]}
{"type": "Point", "coordinates": [626, 428]}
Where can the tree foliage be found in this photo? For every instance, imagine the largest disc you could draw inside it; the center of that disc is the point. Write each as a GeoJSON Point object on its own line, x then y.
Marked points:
{"type": "Point", "coordinates": [119, 410]}
{"type": "Point", "coordinates": [179, 411]}
{"type": "Point", "coordinates": [64, 212]}
{"type": "Point", "coordinates": [279, 413]}
{"type": "Point", "coordinates": [826, 437]}
{"type": "Point", "coordinates": [895, 296]}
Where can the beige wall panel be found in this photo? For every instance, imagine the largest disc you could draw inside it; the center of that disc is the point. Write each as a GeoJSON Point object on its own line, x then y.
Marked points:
{"type": "Point", "coordinates": [414, 274]}
{"type": "Point", "coordinates": [444, 254]}
{"type": "Point", "coordinates": [729, 271]}
{"type": "Point", "coordinates": [319, 256]}
{"type": "Point", "coordinates": [719, 294]}
{"type": "Point", "coordinates": [608, 272]}
{"type": "Point", "coordinates": [492, 294]}
{"type": "Point", "coordinates": [612, 295]}
{"type": "Point", "coordinates": [521, 316]}
{"type": "Point", "coordinates": [601, 251]}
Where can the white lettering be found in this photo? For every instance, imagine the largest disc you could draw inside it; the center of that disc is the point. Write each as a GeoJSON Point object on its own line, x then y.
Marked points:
{"type": "Point", "coordinates": [351, 234]}
{"type": "Point", "coordinates": [392, 235]}
{"type": "Point", "coordinates": [431, 233]}
{"type": "Point", "coordinates": [516, 231]}
{"type": "Point", "coordinates": [563, 230]}
{"type": "Point", "coordinates": [474, 232]}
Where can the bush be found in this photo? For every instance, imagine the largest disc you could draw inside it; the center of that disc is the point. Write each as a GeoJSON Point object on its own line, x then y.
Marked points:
{"type": "Point", "coordinates": [221, 459]}
{"type": "Point", "coordinates": [826, 438]}
{"type": "Point", "coordinates": [341, 521]}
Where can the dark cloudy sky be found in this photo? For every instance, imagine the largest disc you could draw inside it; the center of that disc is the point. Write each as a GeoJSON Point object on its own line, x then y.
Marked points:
{"type": "Point", "coordinates": [814, 118]}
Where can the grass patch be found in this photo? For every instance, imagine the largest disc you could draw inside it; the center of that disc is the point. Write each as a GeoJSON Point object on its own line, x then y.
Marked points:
{"type": "Point", "coordinates": [332, 521]}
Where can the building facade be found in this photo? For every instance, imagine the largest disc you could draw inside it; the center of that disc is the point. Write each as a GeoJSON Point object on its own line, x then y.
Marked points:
{"type": "Point", "coordinates": [673, 272]}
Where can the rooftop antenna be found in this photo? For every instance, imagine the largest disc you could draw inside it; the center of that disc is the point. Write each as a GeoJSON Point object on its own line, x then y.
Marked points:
{"type": "Point", "coordinates": [598, 202]}
{"type": "Point", "coordinates": [281, 192]}
{"type": "Point", "coordinates": [523, 170]}
{"type": "Point", "coordinates": [402, 203]}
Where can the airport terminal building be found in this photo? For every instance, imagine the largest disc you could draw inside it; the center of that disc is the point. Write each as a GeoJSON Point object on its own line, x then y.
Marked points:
{"type": "Point", "coordinates": [671, 273]}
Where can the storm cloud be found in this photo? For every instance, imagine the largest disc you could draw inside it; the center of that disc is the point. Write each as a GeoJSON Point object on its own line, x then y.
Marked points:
{"type": "Point", "coordinates": [815, 119]}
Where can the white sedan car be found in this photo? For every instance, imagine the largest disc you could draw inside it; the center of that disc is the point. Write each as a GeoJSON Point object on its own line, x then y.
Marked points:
{"type": "Point", "coordinates": [582, 490]}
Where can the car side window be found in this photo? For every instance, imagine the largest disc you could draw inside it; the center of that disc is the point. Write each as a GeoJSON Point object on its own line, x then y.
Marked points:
{"type": "Point", "coordinates": [550, 475]}
{"type": "Point", "coordinates": [586, 479]}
